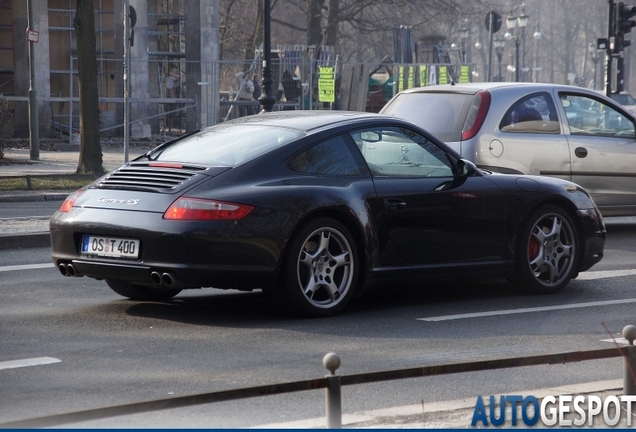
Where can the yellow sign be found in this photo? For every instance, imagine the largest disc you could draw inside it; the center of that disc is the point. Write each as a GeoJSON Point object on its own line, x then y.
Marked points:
{"type": "Point", "coordinates": [443, 75]}
{"type": "Point", "coordinates": [423, 76]}
{"type": "Point", "coordinates": [401, 78]}
{"type": "Point", "coordinates": [411, 80]}
{"type": "Point", "coordinates": [464, 74]}
{"type": "Point", "coordinates": [326, 84]}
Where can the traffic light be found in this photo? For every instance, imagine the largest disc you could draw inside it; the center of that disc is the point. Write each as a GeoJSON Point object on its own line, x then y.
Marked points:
{"type": "Point", "coordinates": [624, 23]}
{"type": "Point", "coordinates": [132, 16]}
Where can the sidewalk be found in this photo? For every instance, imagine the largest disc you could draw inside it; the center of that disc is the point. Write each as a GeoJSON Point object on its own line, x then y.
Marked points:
{"type": "Point", "coordinates": [456, 414]}
{"type": "Point", "coordinates": [34, 232]}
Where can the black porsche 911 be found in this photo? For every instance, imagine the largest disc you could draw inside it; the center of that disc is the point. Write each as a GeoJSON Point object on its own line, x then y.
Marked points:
{"type": "Point", "coordinates": [311, 207]}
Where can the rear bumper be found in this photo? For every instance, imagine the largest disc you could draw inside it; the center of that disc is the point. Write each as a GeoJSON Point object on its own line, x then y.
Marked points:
{"type": "Point", "coordinates": [240, 254]}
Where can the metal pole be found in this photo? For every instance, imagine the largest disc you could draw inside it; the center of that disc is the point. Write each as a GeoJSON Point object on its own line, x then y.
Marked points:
{"type": "Point", "coordinates": [126, 8]}
{"type": "Point", "coordinates": [517, 58]}
{"type": "Point", "coordinates": [490, 33]}
{"type": "Point", "coordinates": [34, 128]}
{"type": "Point", "coordinates": [629, 377]}
{"type": "Point", "coordinates": [267, 99]}
{"type": "Point", "coordinates": [333, 400]}
{"type": "Point", "coordinates": [608, 70]}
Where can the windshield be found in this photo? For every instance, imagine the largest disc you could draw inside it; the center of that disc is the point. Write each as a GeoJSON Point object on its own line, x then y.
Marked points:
{"type": "Point", "coordinates": [441, 114]}
{"type": "Point", "coordinates": [225, 145]}
{"type": "Point", "coordinates": [624, 99]}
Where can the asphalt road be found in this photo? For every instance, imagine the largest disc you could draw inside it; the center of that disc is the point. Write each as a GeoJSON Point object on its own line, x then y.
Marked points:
{"type": "Point", "coordinates": [114, 351]}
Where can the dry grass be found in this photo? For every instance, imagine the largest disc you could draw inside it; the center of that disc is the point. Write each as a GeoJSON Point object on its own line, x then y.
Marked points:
{"type": "Point", "coordinates": [46, 182]}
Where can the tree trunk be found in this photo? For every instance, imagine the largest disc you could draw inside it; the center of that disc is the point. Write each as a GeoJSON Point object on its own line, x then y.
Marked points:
{"type": "Point", "coordinates": [314, 22]}
{"type": "Point", "coordinates": [331, 32]}
{"type": "Point", "coordinates": [90, 161]}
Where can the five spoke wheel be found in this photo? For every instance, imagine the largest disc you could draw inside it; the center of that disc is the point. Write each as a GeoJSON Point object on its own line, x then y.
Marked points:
{"type": "Point", "coordinates": [548, 251]}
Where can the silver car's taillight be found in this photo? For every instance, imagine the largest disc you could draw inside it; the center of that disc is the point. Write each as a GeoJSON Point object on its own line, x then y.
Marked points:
{"type": "Point", "coordinates": [476, 115]}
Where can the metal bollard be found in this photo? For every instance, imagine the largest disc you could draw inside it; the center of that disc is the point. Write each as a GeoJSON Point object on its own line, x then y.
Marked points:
{"type": "Point", "coordinates": [332, 393]}
{"type": "Point", "coordinates": [629, 373]}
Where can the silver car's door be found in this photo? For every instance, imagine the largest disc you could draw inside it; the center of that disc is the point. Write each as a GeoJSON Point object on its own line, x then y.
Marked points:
{"type": "Point", "coordinates": [527, 139]}
{"type": "Point", "coordinates": [603, 145]}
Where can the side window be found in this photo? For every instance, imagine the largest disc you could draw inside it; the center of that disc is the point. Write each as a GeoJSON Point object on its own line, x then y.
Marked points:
{"type": "Point", "coordinates": [330, 157]}
{"type": "Point", "coordinates": [533, 114]}
{"type": "Point", "coordinates": [589, 116]}
{"type": "Point", "coordinates": [399, 152]}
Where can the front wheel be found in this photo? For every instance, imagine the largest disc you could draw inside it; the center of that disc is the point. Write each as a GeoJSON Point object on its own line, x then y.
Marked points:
{"type": "Point", "coordinates": [321, 269]}
{"type": "Point", "coordinates": [547, 251]}
{"type": "Point", "coordinates": [140, 292]}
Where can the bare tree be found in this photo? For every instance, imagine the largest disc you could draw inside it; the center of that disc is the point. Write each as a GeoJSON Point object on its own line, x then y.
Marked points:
{"type": "Point", "coordinates": [90, 161]}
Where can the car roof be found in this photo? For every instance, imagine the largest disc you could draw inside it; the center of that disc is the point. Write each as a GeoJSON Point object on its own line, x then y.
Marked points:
{"type": "Point", "coordinates": [309, 120]}
{"type": "Point", "coordinates": [472, 88]}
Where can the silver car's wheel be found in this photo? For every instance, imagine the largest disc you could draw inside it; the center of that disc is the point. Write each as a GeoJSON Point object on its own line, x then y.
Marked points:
{"type": "Point", "coordinates": [548, 251]}
{"type": "Point", "coordinates": [321, 269]}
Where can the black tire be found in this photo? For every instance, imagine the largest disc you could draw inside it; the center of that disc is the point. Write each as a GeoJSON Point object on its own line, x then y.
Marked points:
{"type": "Point", "coordinates": [547, 252]}
{"type": "Point", "coordinates": [140, 292]}
{"type": "Point", "coordinates": [321, 270]}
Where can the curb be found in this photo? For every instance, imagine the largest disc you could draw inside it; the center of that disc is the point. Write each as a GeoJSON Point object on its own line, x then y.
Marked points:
{"type": "Point", "coordinates": [24, 241]}
{"type": "Point", "coordinates": [25, 197]}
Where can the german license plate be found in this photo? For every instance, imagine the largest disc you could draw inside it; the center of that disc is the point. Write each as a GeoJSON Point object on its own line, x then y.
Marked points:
{"type": "Point", "coordinates": [110, 247]}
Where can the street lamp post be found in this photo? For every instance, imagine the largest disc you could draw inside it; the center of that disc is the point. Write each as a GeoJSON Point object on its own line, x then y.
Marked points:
{"type": "Point", "coordinates": [267, 98]}
{"type": "Point", "coordinates": [500, 43]}
{"type": "Point", "coordinates": [464, 33]}
{"type": "Point", "coordinates": [512, 22]}
{"type": "Point", "coordinates": [537, 37]}
{"type": "Point", "coordinates": [595, 56]}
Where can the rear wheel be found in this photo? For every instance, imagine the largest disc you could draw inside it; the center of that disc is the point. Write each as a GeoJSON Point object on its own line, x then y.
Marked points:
{"type": "Point", "coordinates": [548, 251]}
{"type": "Point", "coordinates": [321, 269]}
{"type": "Point", "coordinates": [140, 292]}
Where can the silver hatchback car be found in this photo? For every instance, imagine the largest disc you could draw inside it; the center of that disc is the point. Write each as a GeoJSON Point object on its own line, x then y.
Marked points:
{"type": "Point", "coordinates": [544, 129]}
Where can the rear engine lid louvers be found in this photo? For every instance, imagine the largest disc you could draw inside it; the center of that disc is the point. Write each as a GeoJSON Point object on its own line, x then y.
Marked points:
{"type": "Point", "coordinates": [143, 176]}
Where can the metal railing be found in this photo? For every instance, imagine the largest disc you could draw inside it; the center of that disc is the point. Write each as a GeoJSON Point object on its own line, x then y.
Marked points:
{"type": "Point", "coordinates": [333, 383]}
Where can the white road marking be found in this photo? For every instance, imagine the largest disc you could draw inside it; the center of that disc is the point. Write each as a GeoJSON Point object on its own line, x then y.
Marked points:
{"type": "Point", "coordinates": [527, 310]}
{"type": "Point", "coordinates": [583, 276]}
{"type": "Point", "coordinates": [38, 361]}
{"type": "Point", "coordinates": [25, 267]}
{"type": "Point", "coordinates": [605, 274]}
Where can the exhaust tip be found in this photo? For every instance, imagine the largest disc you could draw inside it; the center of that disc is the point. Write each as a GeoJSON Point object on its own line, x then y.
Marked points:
{"type": "Point", "coordinates": [167, 279]}
{"type": "Point", "coordinates": [70, 270]}
{"type": "Point", "coordinates": [155, 277]}
{"type": "Point", "coordinates": [62, 268]}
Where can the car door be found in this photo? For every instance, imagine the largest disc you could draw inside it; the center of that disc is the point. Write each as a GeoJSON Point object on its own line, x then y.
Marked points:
{"type": "Point", "coordinates": [603, 151]}
{"type": "Point", "coordinates": [433, 217]}
{"type": "Point", "coordinates": [529, 139]}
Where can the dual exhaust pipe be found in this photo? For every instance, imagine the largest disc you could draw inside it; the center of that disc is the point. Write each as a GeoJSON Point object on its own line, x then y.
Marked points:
{"type": "Point", "coordinates": [158, 278]}
{"type": "Point", "coordinates": [163, 278]}
{"type": "Point", "coordinates": [68, 269]}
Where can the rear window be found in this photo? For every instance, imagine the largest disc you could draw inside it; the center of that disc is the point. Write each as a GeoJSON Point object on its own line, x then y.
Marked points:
{"type": "Point", "coordinates": [441, 114]}
{"type": "Point", "coordinates": [226, 145]}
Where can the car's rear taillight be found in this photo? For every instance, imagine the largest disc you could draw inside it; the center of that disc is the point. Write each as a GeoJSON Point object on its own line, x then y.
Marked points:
{"type": "Point", "coordinates": [476, 115]}
{"type": "Point", "coordinates": [193, 209]}
{"type": "Point", "coordinates": [68, 203]}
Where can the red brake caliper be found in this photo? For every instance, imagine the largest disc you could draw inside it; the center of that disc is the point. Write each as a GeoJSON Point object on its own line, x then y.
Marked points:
{"type": "Point", "coordinates": [533, 248]}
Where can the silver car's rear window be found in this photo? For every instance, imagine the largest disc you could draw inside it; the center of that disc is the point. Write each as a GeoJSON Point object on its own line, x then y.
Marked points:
{"type": "Point", "coordinates": [226, 145]}
{"type": "Point", "coordinates": [441, 114]}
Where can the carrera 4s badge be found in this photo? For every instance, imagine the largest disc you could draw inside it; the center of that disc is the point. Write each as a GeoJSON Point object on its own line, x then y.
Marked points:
{"type": "Point", "coordinates": [118, 201]}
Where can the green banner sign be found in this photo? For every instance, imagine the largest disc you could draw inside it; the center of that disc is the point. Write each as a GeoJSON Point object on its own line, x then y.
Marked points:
{"type": "Point", "coordinates": [326, 84]}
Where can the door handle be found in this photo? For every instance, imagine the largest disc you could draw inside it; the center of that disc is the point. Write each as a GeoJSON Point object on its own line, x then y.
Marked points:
{"type": "Point", "coordinates": [580, 152]}
{"type": "Point", "coordinates": [394, 204]}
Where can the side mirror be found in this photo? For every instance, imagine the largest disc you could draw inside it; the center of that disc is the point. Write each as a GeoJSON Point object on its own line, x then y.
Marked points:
{"type": "Point", "coordinates": [465, 168]}
{"type": "Point", "coordinates": [371, 136]}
